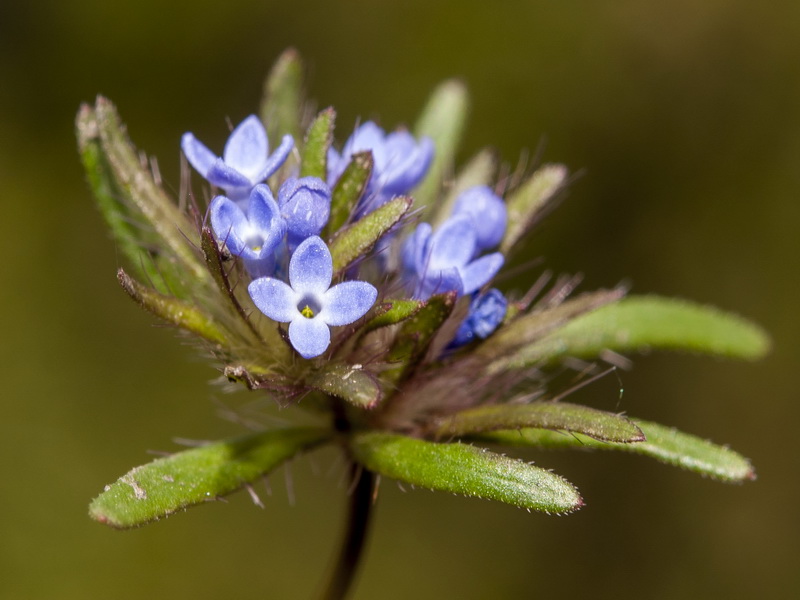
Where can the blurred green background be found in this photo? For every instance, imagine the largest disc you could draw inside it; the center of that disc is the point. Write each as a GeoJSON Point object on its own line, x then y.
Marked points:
{"type": "Point", "coordinates": [684, 118]}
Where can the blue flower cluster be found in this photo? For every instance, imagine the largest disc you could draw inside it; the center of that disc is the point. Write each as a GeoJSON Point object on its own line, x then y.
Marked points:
{"type": "Point", "coordinates": [265, 233]}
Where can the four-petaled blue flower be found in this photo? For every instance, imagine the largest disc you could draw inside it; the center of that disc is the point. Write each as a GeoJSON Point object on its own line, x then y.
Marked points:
{"type": "Point", "coordinates": [308, 303]}
{"type": "Point", "coordinates": [488, 213]}
{"type": "Point", "coordinates": [305, 204]}
{"type": "Point", "coordinates": [245, 160]}
{"type": "Point", "coordinates": [486, 312]}
{"type": "Point", "coordinates": [399, 163]}
{"type": "Point", "coordinates": [255, 235]}
{"type": "Point", "coordinates": [445, 260]}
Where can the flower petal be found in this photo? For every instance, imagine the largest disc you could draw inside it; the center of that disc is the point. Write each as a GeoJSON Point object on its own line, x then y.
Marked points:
{"type": "Point", "coordinates": [479, 272]}
{"type": "Point", "coordinates": [274, 162]}
{"type": "Point", "coordinates": [453, 245]}
{"type": "Point", "coordinates": [347, 302]}
{"type": "Point", "coordinates": [247, 148]}
{"type": "Point", "coordinates": [275, 299]}
{"type": "Point", "coordinates": [198, 155]}
{"type": "Point", "coordinates": [439, 281]}
{"type": "Point", "coordinates": [228, 178]}
{"type": "Point", "coordinates": [228, 222]}
{"type": "Point", "coordinates": [310, 337]}
{"type": "Point", "coordinates": [311, 267]}
{"type": "Point", "coordinates": [265, 216]}
{"type": "Point", "coordinates": [488, 214]}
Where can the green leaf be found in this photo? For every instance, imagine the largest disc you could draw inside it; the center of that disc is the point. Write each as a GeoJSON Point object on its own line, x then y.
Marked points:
{"type": "Point", "coordinates": [479, 171]}
{"type": "Point", "coordinates": [172, 310]}
{"type": "Point", "coordinates": [166, 485]}
{"type": "Point", "coordinates": [396, 312]}
{"type": "Point", "coordinates": [348, 382]}
{"type": "Point", "coordinates": [529, 203]}
{"type": "Point", "coordinates": [442, 120]}
{"type": "Point", "coordinates": [665, 444]}
{"type": "Point", "coordinates": [115, 168]}
{"type": "Point", "coordinates": [545, 415]}
{"type": "Point", "coordinates": [641, 323]}
{"type": "Point", "coordinates": [319, 137]}
{"type": "Point", "coordinates": [283, 100]}
{"type": "Point", "coordinates": [466, 470]}
{"type": "Point", "coordinates": [348, 191]}
{"type": "Point", "coordinates": [359, 238]}
{"type": "Point", "coordinates": [532, 327]}
{"type": "Point", "coordinates": [415, 335]}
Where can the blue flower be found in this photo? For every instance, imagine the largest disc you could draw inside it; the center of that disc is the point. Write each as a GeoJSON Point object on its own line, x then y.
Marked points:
{"type": "Point", "coordinates": [308, 303]}
{"type": "Point", "coordinates": [255, 235]}
{"type": "Point", "coordinates": [488, 214]}
{"type": "Point", "coordinates": [245, 160]}
{"type": "Point", "coordinates": [305, 204]}
{"type": "Point", "coordinates": [399, 163]}
{"type": "Point", "coordinates": [486, 312]}
{"type": "Point", "coordinates": [443, 261]}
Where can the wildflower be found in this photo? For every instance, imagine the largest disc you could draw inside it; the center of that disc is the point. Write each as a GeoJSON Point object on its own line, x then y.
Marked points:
{"type": "Point", "coordinates": [305, 204]}
{"type": "Point", "coordinates": [443, 261]}
{"type": "Point", "coordinates": [488, 214]}
{"type": "Point", "coordinates": [254, 236]}
{"type": "Point", "coordinates": [486, 312]}
{"type": "Point", "coordinates": [400, 163]}
{"type": "Point", "coordinates": [245, 160]}
{"type": "Point", "coordinates": [308, 303]}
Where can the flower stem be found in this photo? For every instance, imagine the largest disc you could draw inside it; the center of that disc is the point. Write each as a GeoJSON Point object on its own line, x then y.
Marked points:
{"type": "Point", "coordinates": [359, 509]}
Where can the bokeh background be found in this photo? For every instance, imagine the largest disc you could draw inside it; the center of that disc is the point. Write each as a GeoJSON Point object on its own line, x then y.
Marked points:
{"type": "Point", "coordinates": [684, 118]}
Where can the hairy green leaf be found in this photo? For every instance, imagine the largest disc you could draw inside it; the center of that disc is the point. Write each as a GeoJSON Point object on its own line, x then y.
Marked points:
{"type": "Point", "coordinates": [416, 333]}
{"type": "Point", "coordinates": [396, 311]}
{"type": "Point", "coordinates": [463, 469]}
{"type": "Point", "coordinates": [442, 120]}
{"type": "Point", "coordinates": [545, 415]}
{"type": "Point", "coordinates": [167, 485]}
{"type": "Point", "coordinates": [359, 238]}
{"type": "Point", "coordinates": [348, 191]}
{"type": "Point", "coordinates": [665, 444]}
{"type": "Point", "coordinates": [641, 323]}
{"type": "Point", "coordinates": [528, 203]}
{"type": "Point", "coordinates": [532, 327]}
{"type": "Point", "coordinates": [174, 311]}
{"type": "Point", "coordinates": [348, 382]}
{"type": "Point", "coordinates": [319, 137]}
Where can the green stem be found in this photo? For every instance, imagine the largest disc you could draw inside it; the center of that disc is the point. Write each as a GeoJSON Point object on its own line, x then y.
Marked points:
{"type": "Point", "coordinates": [359, 509]}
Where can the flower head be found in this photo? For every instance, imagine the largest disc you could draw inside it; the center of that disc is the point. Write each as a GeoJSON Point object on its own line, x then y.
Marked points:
{"type": "Point", "coordinates": [400, 162]}
{"type": "Point", "coordinates": [442, 261]}
{"type": "Point", "coordinates": [245, 160]}
{"type": "Point", "coordinates": [305, 204]}
{"type": "Point", "coordinates": [308, 303]}
{"type": "Point", "coordinates": [255, 234]}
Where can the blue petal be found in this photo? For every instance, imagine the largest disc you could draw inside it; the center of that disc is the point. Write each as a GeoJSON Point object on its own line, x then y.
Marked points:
{"type": "Point", "coordinates": [479, 272]}
{"type": "Point", "coordinates": [488, 214]}
{"type": "Point", "coordinates": [229, 179]}
{"type": "Point", "coordinates": [406, 164]}
{"type": "Point", "coordinates": [347, 302]}
{"type": "Point", "coordinates": [277, 158]}
{"type": "Point", "coordinates": [310, 337]}
{"type": "Point", "coordinates": [275, 299]}
{"type": "Point", "coordinates": [247, 147]}
{"type": "Point", "coordinates": [439, 282]}
{"type": "Point", "coordinates": [228, 221]}
{"type": "Point", "coordinates": [265, 216]}
{"type": "Point", "coordinates": [311, 267]}
{"type": "Point", "coordinates": [486, 312]}
{"type": "Point", "coordinates": [453, 245]}
{"type": "Point", "coordinates": [198, 155]}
